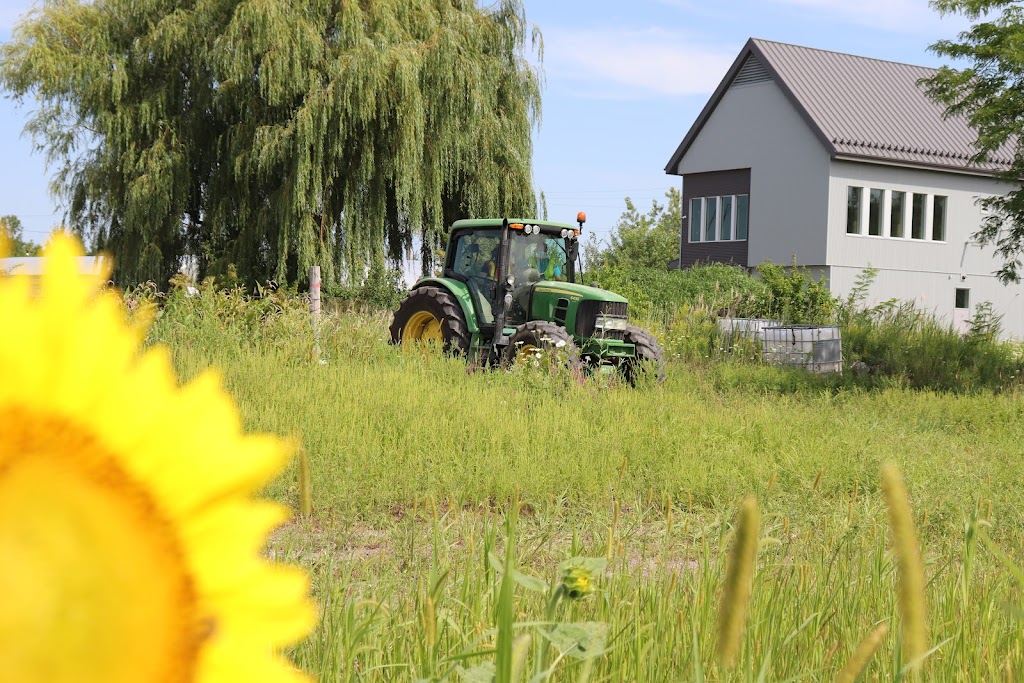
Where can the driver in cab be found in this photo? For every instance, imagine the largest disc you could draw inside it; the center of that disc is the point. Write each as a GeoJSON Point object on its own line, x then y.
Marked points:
{"type": "Point", "coordinates": [546, 263]}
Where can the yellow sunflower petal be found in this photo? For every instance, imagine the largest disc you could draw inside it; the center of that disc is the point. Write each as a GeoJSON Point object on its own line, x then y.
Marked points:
{"type": "Point", "coordinates": [227, 661]}
{"type": "Point", "coordinates": [130, 543]}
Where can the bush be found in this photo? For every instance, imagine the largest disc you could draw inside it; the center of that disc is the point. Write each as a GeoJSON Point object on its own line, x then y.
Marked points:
{"type": "Point", "coordinates": [794, 297]}
{"type": "Point", "coordinates": [662, 294]}
{"type": "Point", "coordinates": [382, 288]}
{"type": "Point", "coordinates": [896, 339]}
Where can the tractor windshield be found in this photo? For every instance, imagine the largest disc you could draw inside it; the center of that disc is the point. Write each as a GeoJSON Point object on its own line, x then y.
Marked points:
{"type": "Point", "coordinates": [538, 257]}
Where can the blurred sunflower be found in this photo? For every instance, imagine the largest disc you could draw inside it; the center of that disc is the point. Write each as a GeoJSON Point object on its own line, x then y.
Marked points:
{"type": "Point", "coordinates": [129, 541]}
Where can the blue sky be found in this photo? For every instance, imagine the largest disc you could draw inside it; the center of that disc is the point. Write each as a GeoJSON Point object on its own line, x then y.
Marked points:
{"type": "Point", "coordinates": [623, 83]}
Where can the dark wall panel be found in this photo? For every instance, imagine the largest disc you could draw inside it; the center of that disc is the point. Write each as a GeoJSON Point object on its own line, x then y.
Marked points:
{"type": "Point", "coordinates": [713, 184]}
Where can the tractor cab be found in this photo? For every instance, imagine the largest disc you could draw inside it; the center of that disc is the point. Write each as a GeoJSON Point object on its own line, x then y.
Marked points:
{"type": "Point", "coordinates": [495, 259]}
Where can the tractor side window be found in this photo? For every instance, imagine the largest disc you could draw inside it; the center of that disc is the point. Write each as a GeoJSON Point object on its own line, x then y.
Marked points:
{"type": "Point", "coordinates": [476, 259]}
{"type": "Point", "coordinates": [476, 256]}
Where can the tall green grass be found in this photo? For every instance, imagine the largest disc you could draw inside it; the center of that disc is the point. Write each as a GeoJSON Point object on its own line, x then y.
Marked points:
{"type": "Point", "coordinates": [415, 460]}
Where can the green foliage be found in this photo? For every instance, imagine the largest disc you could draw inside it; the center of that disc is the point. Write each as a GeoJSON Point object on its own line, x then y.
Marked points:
{"type": "Point", "coordinates": [640, 240]}
{"type": "Point", "coordinates": [381, 288]}
{"type": "Point", "coordinates": [275, 135]}
{"type": "Point", "coordinates": [898, 340]}
{"type": "Point", "coordinates": [658, 293]}
{"type": "Point", "coordinates": [10, 228]}
{"type": "Point", "coordinates": [987, 92]}
{"type": "Point", "coordinates": [793, 296]}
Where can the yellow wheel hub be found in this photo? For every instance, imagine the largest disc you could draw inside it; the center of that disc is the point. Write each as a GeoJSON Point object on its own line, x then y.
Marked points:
{"type": "Point", "coordinates": [422, 327]}
{"type": "Point", "coordinates": [526, 353]}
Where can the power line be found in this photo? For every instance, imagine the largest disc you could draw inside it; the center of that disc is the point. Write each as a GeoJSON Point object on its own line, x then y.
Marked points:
{"type": "Point", "coordinates": [617, 192]}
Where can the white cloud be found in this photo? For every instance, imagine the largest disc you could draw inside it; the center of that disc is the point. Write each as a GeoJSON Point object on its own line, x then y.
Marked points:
{"type": "Point", "coordinates": [616, 63]}
{"type": "Point", "coordinates": [898, 16]}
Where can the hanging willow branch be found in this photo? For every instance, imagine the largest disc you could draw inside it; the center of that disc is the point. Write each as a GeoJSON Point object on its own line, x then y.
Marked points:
{"type": "Point", "coordinates": [272, 135]}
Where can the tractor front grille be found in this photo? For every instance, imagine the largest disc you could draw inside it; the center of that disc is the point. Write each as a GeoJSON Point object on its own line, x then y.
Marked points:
{"type": "Point", "coordinates": [586, 317]}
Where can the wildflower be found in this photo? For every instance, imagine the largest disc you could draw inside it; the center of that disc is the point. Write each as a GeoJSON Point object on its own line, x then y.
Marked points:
{"type": "Point", "coordinates": [579, 576]}
{"type": "Point", "coordinates": [578, 582]}
{"type": "Point", "coordinates": [129, 540]}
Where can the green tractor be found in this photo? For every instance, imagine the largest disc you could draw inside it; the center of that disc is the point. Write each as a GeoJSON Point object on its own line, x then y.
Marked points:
{"type": "Point", "coordinates": [511, 288]}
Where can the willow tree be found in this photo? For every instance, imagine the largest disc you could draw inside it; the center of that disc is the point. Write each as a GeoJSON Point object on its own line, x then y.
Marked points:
{"type": "Point", "coordinates": [277, 134]}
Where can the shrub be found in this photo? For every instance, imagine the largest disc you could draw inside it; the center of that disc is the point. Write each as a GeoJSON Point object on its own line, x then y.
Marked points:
{"type": "Point", "coordinates": [897, 339]}
{"type": "Point", "coordinates": [382, 288]}
{"type": "Point", "coordinates": [662, 294]}
{"type": "Point", "coordinates": [793, 296]}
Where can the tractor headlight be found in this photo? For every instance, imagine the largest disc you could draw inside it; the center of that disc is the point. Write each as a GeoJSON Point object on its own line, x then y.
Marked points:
{"type": "Point", "coordinates": [608, 322]}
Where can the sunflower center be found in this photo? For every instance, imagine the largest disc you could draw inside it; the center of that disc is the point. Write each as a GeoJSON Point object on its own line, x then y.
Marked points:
{"type": "Point", "coordinates": [92, 579]}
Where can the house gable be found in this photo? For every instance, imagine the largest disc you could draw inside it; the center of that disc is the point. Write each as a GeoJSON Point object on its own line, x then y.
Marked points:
{"type": "Point", "coordinates": [756, 128]}
{"type": "Point", "coordinates": [750, 66]}
{"type": "Point", "coordinates": [859, 108]}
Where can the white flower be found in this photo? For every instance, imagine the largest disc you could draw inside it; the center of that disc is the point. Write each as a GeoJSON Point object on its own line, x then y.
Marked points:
{"type": "Point", "coordinates": [560, 344]}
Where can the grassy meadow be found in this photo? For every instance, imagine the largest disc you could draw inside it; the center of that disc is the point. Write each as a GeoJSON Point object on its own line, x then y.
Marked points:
{"type": "Point", "coordinates": [415, 460]}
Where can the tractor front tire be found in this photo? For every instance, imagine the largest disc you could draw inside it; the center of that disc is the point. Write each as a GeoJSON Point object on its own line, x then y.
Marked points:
{"type": "Point", "coordinates": [541, 336]}
{"type": "Point", "coordinates": [648, 354]}
{"type": "Point", "coordinates": [431, 314]}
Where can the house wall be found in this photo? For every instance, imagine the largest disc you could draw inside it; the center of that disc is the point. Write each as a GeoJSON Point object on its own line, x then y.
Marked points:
{"type": "Point", "coordinates": [755, 126]}
{"type": "Point", "coordinates": [925, 271]}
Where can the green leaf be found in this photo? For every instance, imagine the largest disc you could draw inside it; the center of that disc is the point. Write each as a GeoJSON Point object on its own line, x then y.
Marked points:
{"type": "Point", "coordinates": [582, 640]}
{"type": "Point", "coordinates": [481, 673]}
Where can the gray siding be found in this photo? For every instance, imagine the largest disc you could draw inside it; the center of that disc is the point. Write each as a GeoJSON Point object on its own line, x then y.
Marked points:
{"type": "Point", "coordinates": [755, 126]}
{"type": "Point", "coordinates": [925, 271]}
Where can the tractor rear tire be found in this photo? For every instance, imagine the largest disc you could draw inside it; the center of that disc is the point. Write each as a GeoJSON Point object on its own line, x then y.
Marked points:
{"type": "Point", "coordinates": [648, 353]}
{"type": "Point", "coordinates": [539, 335]}
{"type": "Point", "coordinates": [431, 314]}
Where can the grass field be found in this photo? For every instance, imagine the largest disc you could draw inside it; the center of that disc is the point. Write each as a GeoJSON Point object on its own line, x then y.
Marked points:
{"type": "Point", "coordinates": [415, 460]}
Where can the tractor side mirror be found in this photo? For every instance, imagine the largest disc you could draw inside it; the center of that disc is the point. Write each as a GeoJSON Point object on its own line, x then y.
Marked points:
{"type": "Point", "coordinates": [574, 250]}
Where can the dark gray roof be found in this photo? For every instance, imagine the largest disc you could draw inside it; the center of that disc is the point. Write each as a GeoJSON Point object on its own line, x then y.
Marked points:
{"type": "Point", "coordinates": [860, 108]}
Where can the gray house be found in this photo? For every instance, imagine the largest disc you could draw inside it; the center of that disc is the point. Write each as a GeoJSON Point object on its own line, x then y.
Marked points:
{"type": "Point", "coordinates": [844, 163]}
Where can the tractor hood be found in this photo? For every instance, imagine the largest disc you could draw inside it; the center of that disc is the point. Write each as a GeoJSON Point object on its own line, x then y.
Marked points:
{"type": "Point", "coordinates": [575, 292]}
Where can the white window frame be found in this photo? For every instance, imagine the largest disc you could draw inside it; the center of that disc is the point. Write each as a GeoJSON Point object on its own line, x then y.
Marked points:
{"type": "Point", "coordinates": [931, 219]}
{"type": "Point", "coordinates": [862, 218]}
{"type": "Point", "coordinates": [733, 218]}
{"type": "Point", "coordinates": [718, 219]}
{"type": "Point", "coordinates": [866, 218]}
{"type": "Point", "coordinates": [886, 217]}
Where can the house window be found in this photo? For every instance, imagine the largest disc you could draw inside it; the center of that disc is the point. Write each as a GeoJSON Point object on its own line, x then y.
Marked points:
{"type": "Point", "coordinates": [875, 212]}
{"type": "Point", "coordinates": [963, 298]}
{"type": "Point", "coordinates": [854, 199]}
{"type": "Point", "coordinates": [726, 218]}
{"type": "Point", "coordinates": [718, 219]}
{"type": "Point", "coordinates": [695, 206]}
{"type": "Point", "coordinates": [897, 214]}
{"type": "Point", "coordinates": [917, 216]}
{"type": "Point", "coordinates": [939, 218]}
{"type": "Point", "coordinates": [710, 218]}
{"type": "Point", "coordinates": [741, 216]}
